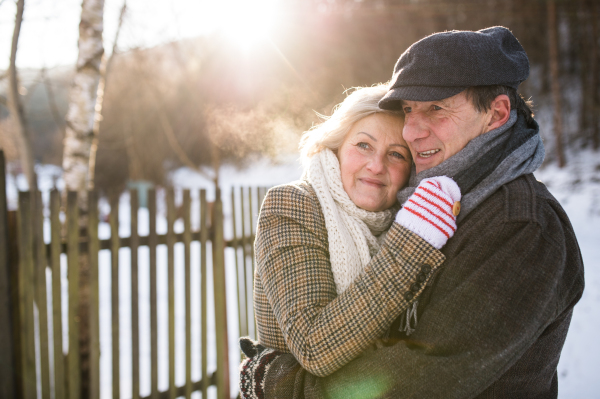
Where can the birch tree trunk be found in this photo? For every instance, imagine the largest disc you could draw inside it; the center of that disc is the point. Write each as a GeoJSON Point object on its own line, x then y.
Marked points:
{"type": "Point", "coordinates": [19, 123]}
{"type": "Point", "coordinates": [554, 82]}
{"type": "Point", "coordinates": [82, 100]}
{"type": "Point", "coordinates": [78, 140]}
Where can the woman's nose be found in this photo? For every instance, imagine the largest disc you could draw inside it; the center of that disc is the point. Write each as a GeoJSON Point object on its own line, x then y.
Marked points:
{"type": "Point", "coordinates": [376, 164]}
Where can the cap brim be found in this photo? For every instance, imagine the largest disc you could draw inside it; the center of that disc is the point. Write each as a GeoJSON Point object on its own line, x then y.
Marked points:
{"type": "Point", "coordinates": [392, 100]}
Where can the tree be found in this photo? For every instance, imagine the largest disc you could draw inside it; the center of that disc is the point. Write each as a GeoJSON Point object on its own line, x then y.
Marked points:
{"type": "Point", "coordinates": [595, 63]}
{"type": "Point", "coordinates": [80, 115]}
{"type": "Point", "coordinates": [19, 123]}
{"type": "Point", "coordinates": [79, 134]}
{"type": "Point", "coordinates": [554, 81]}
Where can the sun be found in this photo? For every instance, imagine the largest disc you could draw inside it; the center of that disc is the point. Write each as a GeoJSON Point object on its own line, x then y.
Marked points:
{"type": "Point", "coordinates": [246, 23]}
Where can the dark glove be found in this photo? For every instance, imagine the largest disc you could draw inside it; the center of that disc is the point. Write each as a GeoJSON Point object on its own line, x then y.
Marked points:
{"type": "Point", "coordinates": [254, 368]}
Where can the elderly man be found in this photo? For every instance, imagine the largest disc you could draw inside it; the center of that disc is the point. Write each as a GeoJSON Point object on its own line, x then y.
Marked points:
{"type": "Point", "coordinates": [492, 322]}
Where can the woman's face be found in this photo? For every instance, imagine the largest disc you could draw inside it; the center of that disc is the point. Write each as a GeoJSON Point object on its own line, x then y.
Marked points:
{"type": "Point", "coordinates": [375, 161]}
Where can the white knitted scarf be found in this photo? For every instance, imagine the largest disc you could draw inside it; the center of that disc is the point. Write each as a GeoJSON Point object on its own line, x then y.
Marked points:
{"type": "Point", "coordinates": [355, 235]}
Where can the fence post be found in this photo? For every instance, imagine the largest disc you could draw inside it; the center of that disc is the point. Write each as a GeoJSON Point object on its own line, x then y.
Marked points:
{"type": "Point", "coordinates": [241, 292]}
{"type": "Point", "coordinates": [187, 239]}
{"type": "Point", "coordinates": [135, 320]}
{"type": "Point", "coordinates": [114, 289]}
{"type": "Point", "coordinates": [40, 296]}
{"type": "Point", "coordinates": [55, 251]}
{"type": "Point", "coordinates": [28, 376]}
{"type": "Point", "coordinates": [218, 248]}
{"type": "Point", "coordinates": [171, 288]}
{"type": "Point", "coordinates": [7, 355]}
{"type": "Point", "coordinates": [73, 370]}
{"type": "Point", "coordinates": [203, 293]}
{"type": "Point", "coordinates": [152, 243]}
{"type": "Point", "coordinates": [94, 320]}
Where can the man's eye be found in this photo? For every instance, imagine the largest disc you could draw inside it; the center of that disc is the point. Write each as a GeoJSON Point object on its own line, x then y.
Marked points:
{"type": "Point", "coordinates": [436, 108]}
{"type": "Point", "coordinates": [407, 110]}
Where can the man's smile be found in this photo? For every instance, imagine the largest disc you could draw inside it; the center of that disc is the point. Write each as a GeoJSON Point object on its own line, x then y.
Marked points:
{"type": "Point", "coordinates": [427, 154]}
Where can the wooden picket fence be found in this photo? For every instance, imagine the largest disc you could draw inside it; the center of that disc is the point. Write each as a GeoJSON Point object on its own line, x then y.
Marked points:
{"type": "Point", "coordinates": [25, 258]}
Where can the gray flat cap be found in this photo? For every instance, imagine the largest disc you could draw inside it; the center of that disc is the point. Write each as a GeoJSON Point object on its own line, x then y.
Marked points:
{"type": "Point", "coordinates": [444, 64]}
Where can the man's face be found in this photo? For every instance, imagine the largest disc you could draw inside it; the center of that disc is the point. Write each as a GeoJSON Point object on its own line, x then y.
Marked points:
{"type": "Point", "coordinates": [436, 130]}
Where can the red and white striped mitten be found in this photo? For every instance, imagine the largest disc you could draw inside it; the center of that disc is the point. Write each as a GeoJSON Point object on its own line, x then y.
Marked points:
{"type": "Point", "coordinates": [431, 211]}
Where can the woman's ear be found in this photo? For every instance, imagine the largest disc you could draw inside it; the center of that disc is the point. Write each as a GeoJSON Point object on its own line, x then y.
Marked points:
{"type": "Point", "coordinates": [499, 112]}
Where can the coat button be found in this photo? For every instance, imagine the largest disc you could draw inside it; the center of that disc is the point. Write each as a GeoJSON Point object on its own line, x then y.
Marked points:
{"type": "Point", "coordinates": [415, 287]}
{"type": "Point", "coordinates": [421, 277]}
{"type": "Point", "coordinates": [408, 296]}
{"type": "Point", "coordinates": [426, 268]}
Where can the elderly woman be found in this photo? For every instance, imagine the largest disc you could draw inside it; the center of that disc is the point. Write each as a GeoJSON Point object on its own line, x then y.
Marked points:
{"type": "Point", "coordinates": [333, 268]}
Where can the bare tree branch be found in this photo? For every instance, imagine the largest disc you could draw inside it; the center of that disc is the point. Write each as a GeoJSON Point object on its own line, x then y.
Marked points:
{"type": "Point", "coordinates": [16, 107]}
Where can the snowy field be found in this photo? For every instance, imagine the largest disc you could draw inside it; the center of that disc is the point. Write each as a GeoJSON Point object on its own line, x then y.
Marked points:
{"type": "Point", "coordinates": [577, 187]}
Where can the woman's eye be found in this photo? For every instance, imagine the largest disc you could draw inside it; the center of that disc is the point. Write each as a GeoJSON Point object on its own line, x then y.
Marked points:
{"type": "Point", "coordinates": [364, 146]}
{"type": "Point", "coordinates": [397, 155]}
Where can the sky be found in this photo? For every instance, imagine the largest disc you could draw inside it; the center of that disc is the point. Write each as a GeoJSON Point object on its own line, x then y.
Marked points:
{"type": "Point", "coordinates": [50, 28]}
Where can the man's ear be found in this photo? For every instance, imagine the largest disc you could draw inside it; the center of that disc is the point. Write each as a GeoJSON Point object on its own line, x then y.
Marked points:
{"type": "Point", "coordinates": [499, 112]}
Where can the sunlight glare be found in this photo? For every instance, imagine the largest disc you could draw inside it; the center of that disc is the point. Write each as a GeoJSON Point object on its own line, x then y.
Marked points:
{"type": "Point", "coordinates": [246, 23]}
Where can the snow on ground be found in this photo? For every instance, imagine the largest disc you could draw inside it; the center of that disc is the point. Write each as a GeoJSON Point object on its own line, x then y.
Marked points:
{"type": "Point", "coordinates": [577, 187]}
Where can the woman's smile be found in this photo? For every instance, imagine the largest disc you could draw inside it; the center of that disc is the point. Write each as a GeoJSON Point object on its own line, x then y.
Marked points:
{"type": "Point", "coordinates": [372, 182]}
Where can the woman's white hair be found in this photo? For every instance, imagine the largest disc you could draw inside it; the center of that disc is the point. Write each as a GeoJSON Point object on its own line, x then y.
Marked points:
{"type": "Point", "coordinates": [331, 133]}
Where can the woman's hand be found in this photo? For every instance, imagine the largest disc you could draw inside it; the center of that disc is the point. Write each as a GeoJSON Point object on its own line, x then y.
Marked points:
{"type": "Point", "coordinates": [432, 209]}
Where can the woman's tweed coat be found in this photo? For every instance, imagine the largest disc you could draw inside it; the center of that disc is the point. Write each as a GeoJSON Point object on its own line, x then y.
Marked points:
{"type": "Point", "coordinates": [297, 309]}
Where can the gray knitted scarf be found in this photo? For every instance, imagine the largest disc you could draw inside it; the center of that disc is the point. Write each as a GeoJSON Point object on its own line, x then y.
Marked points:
{"type": "Point", "coordinates": [488, 162]}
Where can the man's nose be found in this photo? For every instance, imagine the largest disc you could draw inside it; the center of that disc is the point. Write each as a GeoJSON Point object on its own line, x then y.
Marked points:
{"type": "Point", "coordinates": [414, 128]}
